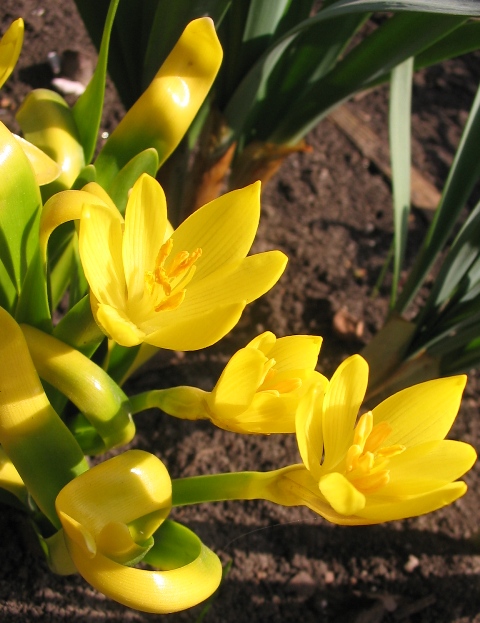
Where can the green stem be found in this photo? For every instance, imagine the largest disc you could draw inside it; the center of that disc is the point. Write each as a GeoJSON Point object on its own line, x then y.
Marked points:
{"type": "Point", "coordinates": [186, 403]}
{"type": "Point", "coordinates": [221, 487]}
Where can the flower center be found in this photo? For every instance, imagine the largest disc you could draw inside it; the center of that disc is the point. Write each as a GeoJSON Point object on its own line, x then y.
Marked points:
{"type": "Point", "coordinates": [167, 283]}
{"type": "Point", "coordinates": [272, 384]}
{"type": "Point", "coordinates": [367, 460]}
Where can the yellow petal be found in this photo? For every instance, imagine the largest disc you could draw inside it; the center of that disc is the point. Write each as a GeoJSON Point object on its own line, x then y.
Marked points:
{"type": "Point", "coordinates": [423, 412]}
{"type": "Point", "coordinates": [238, 383]}
{"type": "Point", "coordinates": [295, 352]}
{"type": "Point", "coordinates": [145, 224]}
{"type": "Point", "coordinates": [116, 325]}
{"type": "Point", "coordinates": [271, 414]}
{"type": "Point", "coordinates": [46, 170]}
{"type": "Point", "coordinates": [263, 342]}
{"type": "Point", "coordinates": [67, 206]}
{"type": "Point", "coordinates": [100, 246]}
{"type": "Point", "coordinates": [197, 331]}
{"type": "Point", "coordinates": [378, 510]}
{"type": "Point", "coordinates": [10, 48]}
{"type": "Point", "coordinates": [308, 427]}
{"type": "Point", "coordinates": [428, 466]}
{"type": "Point", "coordinates": [95, 189]}
{"type": "Point", "coordinates": [224, 229]}
{"type": "Point", "coordinates": [344, 498]}
{"type": "Point", "coordinates": [343, 398]}
{"type": "Point", "coordinates": [245, 281]}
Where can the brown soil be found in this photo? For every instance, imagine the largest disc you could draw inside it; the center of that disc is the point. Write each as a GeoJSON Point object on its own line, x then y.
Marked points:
{"type": "Point", "coordinates": [330, 211]}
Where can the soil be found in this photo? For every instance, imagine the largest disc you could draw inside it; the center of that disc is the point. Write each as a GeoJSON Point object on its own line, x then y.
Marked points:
{"type": "Point", "coordinates": [330, 211]}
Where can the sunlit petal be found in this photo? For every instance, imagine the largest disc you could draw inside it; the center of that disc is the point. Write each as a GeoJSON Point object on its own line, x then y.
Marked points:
{"type": "Point", "coordinates": [423, 412]}
{"type": "Point", "coordinates": [145, 223]}
{"type": "Point", "coordinates": [115, 323]}
{"type": "Point", "coordinates": [238, 382]}
{"type": "Point", "coordinates": [296, 352]}
{"type": "Point", "coordinates": [308, 426]}
{"type": "Point", "coordinates": [428, 466]}
{"type": "Point", "coordinates": [343, 398]}
{"type": "Point", "coordinates": [100, 239]}
{"type": "Point", "coordinates": [197, 331]}
{"type": "Point", "coordinates": [379, 510]}
{"type": "Point", "coordinates": [245, 280]}
{"type": "Point", "coordinates": [341, 494]}
{"type": "Point", "coordinates": [224, 229]}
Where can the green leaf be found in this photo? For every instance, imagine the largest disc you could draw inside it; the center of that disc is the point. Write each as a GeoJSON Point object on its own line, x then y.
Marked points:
{"type": "Point", "coordinates": [87, 111]}
{"type": "Point", "coordinates": [33, 304]}
{"type": "Point", "coordinates": [79, 329]}
{"type": "Point", "coordinates": [400, 153]}
{"type": "Point", "coordinates": [400, 37]}
{"type": "Point", "coordinates": [20, 204]}
{"type": "Point", "coordinates": [463, 40]}
{"type": "Point", "coordinates": [144, 162]}
{"type": "Point", "coordinates": [462, 177]}
{"type": "Point", "coordinates": [310, 56]}
{"type": "Point", "coordinates": [454, 7]}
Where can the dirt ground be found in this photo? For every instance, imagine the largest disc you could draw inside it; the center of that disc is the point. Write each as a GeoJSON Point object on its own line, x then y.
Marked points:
{"type": "Point", "coordinates": [330, 211]}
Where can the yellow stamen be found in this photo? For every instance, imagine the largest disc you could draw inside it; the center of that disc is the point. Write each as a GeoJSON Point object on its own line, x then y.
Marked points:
{"type": "Point", "coordinates": [366, 460]}
{"type": "Point", "coordinates": [170, 278]}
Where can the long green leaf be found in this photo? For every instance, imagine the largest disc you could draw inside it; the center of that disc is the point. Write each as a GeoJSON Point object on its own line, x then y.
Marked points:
{"type": "Point", "coordinates": [88, 109]}
{"type": "Point", "coordinates": [310, 56]}
{"type": "Point", "coordinates": [461, 41]}
{"type": "Point", "coordinates": [454, 7]}
{"type": "Point", "coordinates": [20, 205]}
{"type": "Point", "coordinates": [400, 153]}
{"type": "Point", "coordinates": [400, 37]}
{"type": "Point", "coordinates": [245, 95]}
{"type": "Point", "coordinates": [462, 177]}
{"type": "Point", "coordinates": [463, 254]}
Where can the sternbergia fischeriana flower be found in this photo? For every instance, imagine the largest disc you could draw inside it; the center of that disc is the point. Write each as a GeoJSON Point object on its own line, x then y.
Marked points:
{"type": "Point", "coordinates": [184, 291]}
{"type": "Point", "coordinates": [257, 392]}
{"type": "Point", "coordinates": [390, 463]}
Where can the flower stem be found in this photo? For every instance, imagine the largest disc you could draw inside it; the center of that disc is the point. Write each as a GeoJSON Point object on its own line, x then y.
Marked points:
{"type": "Point", "coordinates": [221, 487]}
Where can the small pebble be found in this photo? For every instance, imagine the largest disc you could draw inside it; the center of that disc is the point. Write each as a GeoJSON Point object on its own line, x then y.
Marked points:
{"type": "Point", "coordinates": [411, 564]}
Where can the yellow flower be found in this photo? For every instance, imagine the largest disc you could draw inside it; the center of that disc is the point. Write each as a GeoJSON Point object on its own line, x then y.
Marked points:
{"type": "Point", "coordinates": [392, 462]}
{"type": "Point", "coordinates": [113, 516]}
{"type": "Point", "coordinates": [10, 48]}
{"type": "Point", "coordinates": [259, 389]}
{"type": "Point", "coordinates": [184, 292]}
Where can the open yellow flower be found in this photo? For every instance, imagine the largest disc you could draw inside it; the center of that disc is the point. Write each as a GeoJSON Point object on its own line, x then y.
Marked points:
{"type": "Point", "coordinates": [257, 392]}
{"type": "Point", "coordinates": [392, 462]}
{"type": "Point", "coordinates": [184, 292]}
{"type": "Point", "coordinates": [113, 516]}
